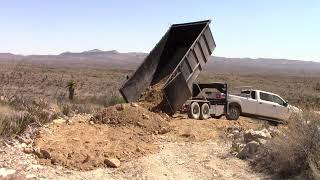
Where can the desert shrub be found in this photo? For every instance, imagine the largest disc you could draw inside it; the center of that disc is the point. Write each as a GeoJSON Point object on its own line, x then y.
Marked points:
{"type": "Point", "coordinates": [39, 108]}
{"type": "Point", "coordinates": [85, 108]}
{"type": "Point", "coordinates": [15, 122]}
{"type": "Point", "coordinates": [25, 111]}
{"type": "Point", "coordinates": [69, 109]}
{"type": "Point", "coordinates": [115, 99]}
{"type": "Point", "coordinates": [295, 152]}
{"type": "Point", "coordinates": [317, 86]}
{"type": "Point", "coordinates": [65, 109]}
{"type": "Point", "coordinates": [104, 100]}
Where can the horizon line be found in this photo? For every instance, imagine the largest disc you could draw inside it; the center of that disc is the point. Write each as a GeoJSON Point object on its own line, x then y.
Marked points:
{"type": "Point", "coordinates": [120, 52]}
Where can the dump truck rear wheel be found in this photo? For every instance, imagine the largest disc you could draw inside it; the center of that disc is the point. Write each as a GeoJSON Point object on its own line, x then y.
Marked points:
{"type": "Point", "coordinates": [194, 111]}
{"type": "Point", "coordinates": [234, 113]}
{"type": "Point", "coordinates": [205, 111]}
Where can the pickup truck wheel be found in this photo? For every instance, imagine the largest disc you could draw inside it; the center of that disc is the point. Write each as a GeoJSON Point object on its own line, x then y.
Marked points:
{"type": "Point", "coordinates": [234, 113]}
{"type": "Point", "coordinates": [194, 111]}
{"type": "Point", "coordinates": [205, 111]}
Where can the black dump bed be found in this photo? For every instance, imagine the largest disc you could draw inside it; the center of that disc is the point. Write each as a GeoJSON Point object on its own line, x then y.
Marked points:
{"type": "Point", "coordinates": [177, 60]}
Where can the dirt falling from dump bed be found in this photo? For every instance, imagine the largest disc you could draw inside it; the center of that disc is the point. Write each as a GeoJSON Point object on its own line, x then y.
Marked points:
{"type": "Point", "coordinates": [124, 131]}
{"type": "Point", "coordinates": [153, 98]}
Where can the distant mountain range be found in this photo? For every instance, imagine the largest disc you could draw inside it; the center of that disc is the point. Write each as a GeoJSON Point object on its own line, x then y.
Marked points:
{"type": "Point", "coordinates": [112, 59]}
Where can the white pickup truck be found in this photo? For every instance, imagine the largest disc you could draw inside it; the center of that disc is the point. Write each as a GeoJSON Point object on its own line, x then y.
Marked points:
{"type": "Point", "coordinates": [259, 103]}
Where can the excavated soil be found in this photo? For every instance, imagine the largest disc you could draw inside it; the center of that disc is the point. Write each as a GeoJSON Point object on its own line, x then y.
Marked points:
{"type": "Point", "coordinates": [153, 98]}
{"type": "Point", "coordinates": [132, 115]}
{"type": "Point", "coordinates": [84, 146]}
{"type": "Point", "coordinates": [185, 129]}
{"type": "Point", "coordinates": [124, 131]}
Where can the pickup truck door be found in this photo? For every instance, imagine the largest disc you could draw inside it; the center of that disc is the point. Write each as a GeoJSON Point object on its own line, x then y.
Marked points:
{"type": "Point", "coordinates": [266, 106]}
{"type": "Point", "coordinates": [281, 111]}
{"type": "Point", "coordinates": [250, 103]}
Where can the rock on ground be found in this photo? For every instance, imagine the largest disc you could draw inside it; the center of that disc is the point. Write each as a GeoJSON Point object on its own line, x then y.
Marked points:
{"type": "Point", "coordinates": [251, 135]}
{"type": "Point", "coordinates": [112, 162]}
{"type": "Point", "coordinates": [6, 172]}
{"type": "Point", "coordinates": [248, 150]}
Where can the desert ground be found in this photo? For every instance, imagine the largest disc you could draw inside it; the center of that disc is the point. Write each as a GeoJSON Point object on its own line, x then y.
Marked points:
{"type": "Point", "coordinates": [44, 135]}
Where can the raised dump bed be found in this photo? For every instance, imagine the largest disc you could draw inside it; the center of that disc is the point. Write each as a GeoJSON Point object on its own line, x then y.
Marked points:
{"type": "Point", "coordinates": [177, 60]}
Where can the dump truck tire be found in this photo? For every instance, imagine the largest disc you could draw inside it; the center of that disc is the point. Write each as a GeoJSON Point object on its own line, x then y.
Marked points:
{"type": "Point", "coordinates": [234, 113]}
{"type": "Point", "coordinates": [194, 111]}
{"type": "Point", "coordinates": [205, 111]}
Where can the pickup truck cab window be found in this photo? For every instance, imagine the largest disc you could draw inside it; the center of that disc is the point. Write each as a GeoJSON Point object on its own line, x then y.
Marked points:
{"type": "Point", "coordinates": [266, 97]}
{"type": "Point", "coordinates": [253, 94]}
{"type": "Point", "coordinates": [246, 93]}
{"type": "Point", "coordinates": [278, 100]}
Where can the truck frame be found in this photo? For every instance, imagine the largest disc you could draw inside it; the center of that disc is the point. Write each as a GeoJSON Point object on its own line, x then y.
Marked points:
{"type": "Point", "coordinates": [204, 103]}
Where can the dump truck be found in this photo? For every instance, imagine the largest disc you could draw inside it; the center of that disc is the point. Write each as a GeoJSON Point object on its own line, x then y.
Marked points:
{"type": "Point", "coordinates": [177, 59]}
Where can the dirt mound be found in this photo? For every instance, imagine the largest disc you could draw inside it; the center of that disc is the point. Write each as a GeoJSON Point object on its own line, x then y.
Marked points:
{"type": "Point", "coordinates": [123, 131]}
{"type": "Point", "coordinates": [185, 129]}
{"type": "Point", "coordinates": [132, 115]}
{"type": "Point", "coordinates": [83, 146]}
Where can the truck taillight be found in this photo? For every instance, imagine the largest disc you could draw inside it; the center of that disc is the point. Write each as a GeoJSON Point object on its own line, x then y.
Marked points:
{"type": "Point", "coordinates": [184, 108]}
{"type": "Point", "coordinates": [220, 96]}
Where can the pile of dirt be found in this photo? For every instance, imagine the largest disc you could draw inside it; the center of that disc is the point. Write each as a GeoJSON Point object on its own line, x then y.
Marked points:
{"type": "Point", "coordinates": [123, 131]}
{"type": "Point", "coordinates": [132, 115]}
{"type": "Point", "coordinates": [185, 129]}
{"type": "Point", "coordinates": [85, 146]}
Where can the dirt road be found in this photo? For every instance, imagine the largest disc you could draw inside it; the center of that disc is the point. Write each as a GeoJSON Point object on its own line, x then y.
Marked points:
{"type": "Point", "coordinates": [182, 160]}
{"type": "Point", "coordinates": [190, 160]}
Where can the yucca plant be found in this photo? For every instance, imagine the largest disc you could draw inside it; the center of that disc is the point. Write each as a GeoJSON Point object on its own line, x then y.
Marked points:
{"type": "Point", "coordinates": [71, 87]}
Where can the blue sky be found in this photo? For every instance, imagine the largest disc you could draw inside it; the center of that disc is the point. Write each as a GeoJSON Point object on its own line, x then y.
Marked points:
{"type": "Point", "coordinates": [245, 28]}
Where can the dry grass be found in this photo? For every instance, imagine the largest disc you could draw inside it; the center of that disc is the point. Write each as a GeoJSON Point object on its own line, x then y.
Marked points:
{"type": "Point", "coordinates": [295, 153]}
{"type": "Point", "coordinates": [93, 85]}
{"type": "Point", "coordinates": [40, 93]}
{"type": "Point", "coordinates": [14, 123]}
{"type": "Point", "coordinates": [18, 113]}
